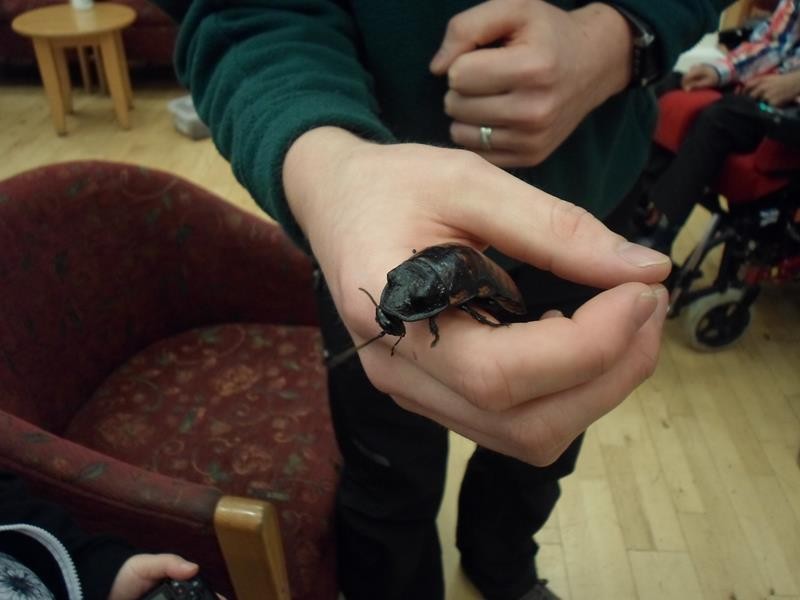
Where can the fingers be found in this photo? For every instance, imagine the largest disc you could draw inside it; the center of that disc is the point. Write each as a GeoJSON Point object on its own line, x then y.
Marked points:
{"type": "Point", "coordinates": [692, 81]}
{"type": "Point", "coordinates": [750, 83]}
{"type": "Point", "coordinates": [526, 127]}
{"type": "Point", "coordinates": [475, 27]}
{"type": "Point", "coordinates": [753, 87]}
{"type": "Point", "coordinates": [502, 138]}
{"type": "Point", "coordinates": [700, 77]}
{"type": "Point", "coordinates": [492, 71]}
{"type": "Point", "coordinates": [159, 566]}
{"type": "Point", "coordinates": [768, 89]}
{"type": "Point", "coordinates": [513, 110]}
{"type": "Point", "coordinates": [507, 147]}
{"type": "Point", "coordinates": [541, 230]}
{"type": "Point", "coordinates": [538, 431]}
{"type": "Point", "coordinates": [496, 369]}
{"type": "Point", "coordinates": [484, 110]}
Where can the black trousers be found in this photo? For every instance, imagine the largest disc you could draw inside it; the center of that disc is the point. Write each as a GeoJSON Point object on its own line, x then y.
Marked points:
{"type": "Point", "coordinates": [732, 124]}
{"type": "Point", "coordinates": [393, 480]}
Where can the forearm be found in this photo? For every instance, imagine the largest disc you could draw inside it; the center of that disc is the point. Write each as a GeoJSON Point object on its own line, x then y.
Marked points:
{"type": "Point", "coordinates": [609, 35]}
{"type": "Point", "coordinates": [293, 67]}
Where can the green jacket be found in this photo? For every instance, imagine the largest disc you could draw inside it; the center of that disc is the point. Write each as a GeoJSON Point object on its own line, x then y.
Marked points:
{"type": "Point", "coordinates": [262, 72]}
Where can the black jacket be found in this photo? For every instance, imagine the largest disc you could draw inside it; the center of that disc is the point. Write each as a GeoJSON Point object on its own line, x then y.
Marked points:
{"type": "Point", "coordinates": [43, 537]}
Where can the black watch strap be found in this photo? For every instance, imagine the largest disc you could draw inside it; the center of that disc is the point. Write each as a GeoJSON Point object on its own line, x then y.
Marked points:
{"type": "Point", "coordinates": [645, 67]}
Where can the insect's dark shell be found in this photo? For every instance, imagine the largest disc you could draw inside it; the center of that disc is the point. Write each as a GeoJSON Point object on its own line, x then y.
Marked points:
{"type": "Point", "coordinates": [446, 275]}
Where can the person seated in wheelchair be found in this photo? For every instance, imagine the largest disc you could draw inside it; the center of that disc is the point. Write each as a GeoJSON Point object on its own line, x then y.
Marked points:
{"type": "Point", "coordinates": [760, 85]}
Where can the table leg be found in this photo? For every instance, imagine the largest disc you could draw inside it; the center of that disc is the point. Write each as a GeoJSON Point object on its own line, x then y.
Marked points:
{"type": "Point", "coordinates": [60, 55]}
{"type": "Point", "coordinates": [86, 77]}
{"type": "Point", "coordinates": [101, 73]}
{"type": "Point", "coordinates": [123, 65]}
{"type": "Point", "coordinates": [50, 80]}
{"type": "Point", "coordinates": [116, 82]}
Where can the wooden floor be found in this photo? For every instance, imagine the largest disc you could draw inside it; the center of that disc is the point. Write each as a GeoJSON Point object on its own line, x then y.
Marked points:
{"type": "Point", "coordinates": [689, 490]}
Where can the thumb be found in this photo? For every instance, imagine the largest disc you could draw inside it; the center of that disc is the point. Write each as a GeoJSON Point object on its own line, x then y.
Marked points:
{"type": "Point", "coordinates": [473, 28]}
{"type": "Point", "coordinates": [160, 566]}
{"type": "Point", "coordinates": [541, 230]}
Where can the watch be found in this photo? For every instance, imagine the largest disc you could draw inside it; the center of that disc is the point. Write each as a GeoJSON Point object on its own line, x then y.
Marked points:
{"type": "Point", "coordinates": [646, 67]}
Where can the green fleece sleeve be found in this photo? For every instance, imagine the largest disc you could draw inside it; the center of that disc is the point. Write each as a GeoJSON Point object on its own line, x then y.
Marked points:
{"type": "Point", "coordinates": [262, 73]}
{"type": "Point", "coordinates": [678, 24]}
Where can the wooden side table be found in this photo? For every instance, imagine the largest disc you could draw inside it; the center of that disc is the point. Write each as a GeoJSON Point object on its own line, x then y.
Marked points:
{"type": "Point", "coordinates": [55, 28]}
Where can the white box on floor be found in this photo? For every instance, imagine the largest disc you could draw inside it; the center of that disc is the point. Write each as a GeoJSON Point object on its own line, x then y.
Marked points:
{"type": "Point", "coordinates": [185, 118]}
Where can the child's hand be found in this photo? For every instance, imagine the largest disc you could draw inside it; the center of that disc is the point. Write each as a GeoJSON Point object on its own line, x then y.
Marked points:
{"type": "Point", "coordinates": [142, 572]}
{"type": "Point", "coordinates": [700, 77]}
{"type": "Point", "coordinates": [776, 90]}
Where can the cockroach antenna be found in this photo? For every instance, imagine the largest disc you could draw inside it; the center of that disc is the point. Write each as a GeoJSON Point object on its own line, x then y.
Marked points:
{"type": "Point", "coordinates": [345, 355]}
{"type": "Point", "coordinates": [369, 296]}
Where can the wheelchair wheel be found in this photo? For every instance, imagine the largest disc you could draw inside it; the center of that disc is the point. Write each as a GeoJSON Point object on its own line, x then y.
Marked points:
{"type": "Point", "coordinates": [716, 320]}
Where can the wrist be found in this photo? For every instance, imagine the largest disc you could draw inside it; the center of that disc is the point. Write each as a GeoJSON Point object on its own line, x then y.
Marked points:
{"type": "Point", "coordinates": [608, 51]}
{"type": "Point", "coordinates": [312, 163]}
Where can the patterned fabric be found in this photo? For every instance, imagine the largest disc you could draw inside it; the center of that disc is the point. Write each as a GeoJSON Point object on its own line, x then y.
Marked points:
{"type": "Point", "coordinates": [158, 348]}
{"type": "Point", "coordinates": [773, 46]}
{"type": "Point", "coordinates": [18, 582]}
{"type": "Point", "coordinates": [101, 260]}
{"type": "Point", "coordinates": [239, 407]}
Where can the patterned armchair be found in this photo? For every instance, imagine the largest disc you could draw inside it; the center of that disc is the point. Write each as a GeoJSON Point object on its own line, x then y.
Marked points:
{"type": "Point", "coordinates": [161, 375]}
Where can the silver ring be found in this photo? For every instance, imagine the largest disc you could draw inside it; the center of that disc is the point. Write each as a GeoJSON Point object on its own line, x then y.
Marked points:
{"type": "Point", "coordinates": [486, 138]}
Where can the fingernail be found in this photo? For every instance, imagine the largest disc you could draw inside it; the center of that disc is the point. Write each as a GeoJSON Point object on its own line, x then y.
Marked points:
{"type": "Point", "coordinates": [660, 291]}
{"type": "Point", "coordinates": [641, 256]}
{"type": "Point", "coordinates": [645, 306]}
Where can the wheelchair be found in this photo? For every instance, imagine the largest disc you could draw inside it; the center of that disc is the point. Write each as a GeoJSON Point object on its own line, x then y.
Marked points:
{"type": "Point", "coordinates": [755, 220]}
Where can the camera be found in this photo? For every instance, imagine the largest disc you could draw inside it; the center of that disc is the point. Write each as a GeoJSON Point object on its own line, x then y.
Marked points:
{"type": "Point", "coordinates": [191, 589]}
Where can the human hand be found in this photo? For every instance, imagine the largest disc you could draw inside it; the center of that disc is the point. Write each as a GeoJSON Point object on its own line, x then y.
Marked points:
{"type": "Point", "coordinates": [141, 573]}
{"type": "Point", "coordinates": [552, 68]}
{"type": "Point", "coordinates": [776, 90]}
{"type": "Point", "coordinates": [526, 390]}
{"type": "Point", "coordinates": [700, 77]}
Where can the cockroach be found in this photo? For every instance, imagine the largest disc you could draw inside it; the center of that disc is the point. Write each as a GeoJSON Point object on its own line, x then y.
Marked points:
{"type": "Point", "coordinates": [435, 279]}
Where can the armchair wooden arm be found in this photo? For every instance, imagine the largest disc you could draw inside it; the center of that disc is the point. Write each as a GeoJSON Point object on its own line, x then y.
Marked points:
{"type": "Point", "coordinates": [249, 536]}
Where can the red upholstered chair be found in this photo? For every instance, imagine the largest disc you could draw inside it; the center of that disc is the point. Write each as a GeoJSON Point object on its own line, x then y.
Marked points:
{"type": "Point", "coordinates": [161, 373]}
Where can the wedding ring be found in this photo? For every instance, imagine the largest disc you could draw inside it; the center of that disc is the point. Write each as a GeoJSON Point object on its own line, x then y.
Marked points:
{"type": "Point", "coordinates": [486, 138]}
